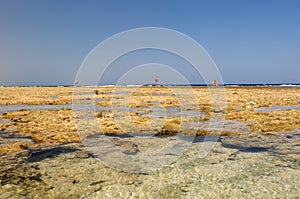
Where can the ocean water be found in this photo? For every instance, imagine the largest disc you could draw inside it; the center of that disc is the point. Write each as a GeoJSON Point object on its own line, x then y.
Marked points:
{"type": "Point", "coordinates": [192, 84]}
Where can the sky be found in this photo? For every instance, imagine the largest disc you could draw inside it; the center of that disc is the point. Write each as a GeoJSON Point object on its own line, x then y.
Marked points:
{"type": "Point", "coordinates": [45, 42]}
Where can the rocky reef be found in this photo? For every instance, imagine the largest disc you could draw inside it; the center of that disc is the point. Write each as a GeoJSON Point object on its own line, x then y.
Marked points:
{"type": "Point", "coordinates": [44, 152]}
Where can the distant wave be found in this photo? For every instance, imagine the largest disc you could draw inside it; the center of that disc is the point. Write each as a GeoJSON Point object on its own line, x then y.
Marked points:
{"type": "Point", "coordinates": [281, 85]}
{"type": "Point", "coordinates": [289, 85]}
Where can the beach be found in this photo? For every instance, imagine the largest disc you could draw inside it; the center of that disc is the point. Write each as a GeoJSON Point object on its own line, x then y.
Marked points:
{"type": "Point", "coordinates": [149, 142]}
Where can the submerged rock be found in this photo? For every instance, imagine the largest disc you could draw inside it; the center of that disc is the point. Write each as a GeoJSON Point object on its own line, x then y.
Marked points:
{"type": "Point", "coordinates": [284, 146]}
{"type": "Point", "coordinates": [14, 168]}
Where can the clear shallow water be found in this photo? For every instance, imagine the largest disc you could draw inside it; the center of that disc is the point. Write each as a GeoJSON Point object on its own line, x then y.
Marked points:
{"type": "Point", "coordinates": [248, 164]}
{"type": "Point", "coordinates": [53, 97]}
{"type": "Point", "coordinates": [3, 121]}
{"type": "Point", "coordinates": [174, 112]}
{"type": "Point", "coordinates": [164, 94]}
{"type": "Point", "coordinates": [92, 101]}
{"type": "Point", "coordinates": [238, 108]}
{"type": "Point", "coordinates": [215, 124]}
{"type": "Point", "coordinates": [277, 108]}
{"type": "Point", "coordinates": [274, 108]}
{"type": "Point", "coordinates": [155, 111]}
{"type": "Point", "coordinates": [18, 107]}
{"type": "Point", "coordinates": [119, 92]}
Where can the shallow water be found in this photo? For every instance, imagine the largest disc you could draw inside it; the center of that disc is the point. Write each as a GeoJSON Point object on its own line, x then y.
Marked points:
{"type": "Point", "coordinates": [172, 112]}
{"type": "Point", "coordinates": [18, 107]}
{"type": "Point", "coordinates": [7, 135]}
{"type": "Point", "coordinates": [53, 97]}
{"type": "Point", "coordinates": [233, 126]}
{"type": "Point", "coordinates": [238, 108]}
{"type": "Point", "coordinates": [277, 108]}
{"type": "Point", "coordinates": [239, 166]}
{"type": "Point", "coordinates": [250, 165]}
{"type": "Point", "coordinates": [163, 94]}
{"type": "Point", "coordinates": [4, 121]}
{"type": "Point", "coordinates": [119, 92]}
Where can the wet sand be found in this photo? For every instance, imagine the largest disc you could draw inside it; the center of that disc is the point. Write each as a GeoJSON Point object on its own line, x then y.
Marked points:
{"type": "Point", "coordinates": [256, 156]}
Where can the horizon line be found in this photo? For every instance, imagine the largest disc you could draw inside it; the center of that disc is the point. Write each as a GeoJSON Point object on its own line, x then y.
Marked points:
{"type": "Point", "coordinates": [153, 84]}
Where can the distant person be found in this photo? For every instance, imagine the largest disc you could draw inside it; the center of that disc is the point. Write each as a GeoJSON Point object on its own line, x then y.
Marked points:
{"type": "Point", "coordinates": [156, 80]}
{"type": "Point", "coordinates": [215, 83]}
{"type": "Point", "coordinates": [75, 83]}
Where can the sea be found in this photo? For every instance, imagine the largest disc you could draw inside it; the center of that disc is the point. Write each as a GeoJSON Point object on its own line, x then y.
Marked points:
{"type": "Point", "coordinates": [192, 84]}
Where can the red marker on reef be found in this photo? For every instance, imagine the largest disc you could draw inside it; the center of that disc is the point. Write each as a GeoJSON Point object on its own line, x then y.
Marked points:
{"type": "Point", "coordinates": [215, 83]}
{"type": "Point", "coordinates": [156, 80]}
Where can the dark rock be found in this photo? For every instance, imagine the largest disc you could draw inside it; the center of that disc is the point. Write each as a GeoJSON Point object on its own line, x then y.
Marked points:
{"type": "Point", "coordinates": [49, 152]}
{"type": "Point", "coordinates": [96, 183]}
{"type": "Point", "coordinates": [284, 146]}
{"type": "Point", "coordinates": [14, 168]}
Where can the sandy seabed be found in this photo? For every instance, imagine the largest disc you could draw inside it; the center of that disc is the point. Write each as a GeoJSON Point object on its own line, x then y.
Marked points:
{"type": "Point", "coordinates": [44, 152]}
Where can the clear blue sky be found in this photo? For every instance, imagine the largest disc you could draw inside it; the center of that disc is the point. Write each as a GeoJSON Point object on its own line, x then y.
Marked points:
{"type": "Point", "coordinates": [43, 42]}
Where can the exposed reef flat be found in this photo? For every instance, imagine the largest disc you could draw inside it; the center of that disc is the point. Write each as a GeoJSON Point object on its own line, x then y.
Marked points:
{"type": "Point", "coordinates": [256, 154]}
